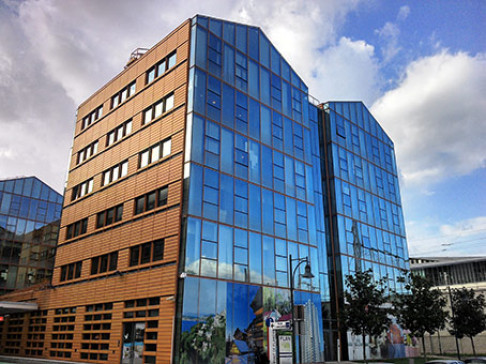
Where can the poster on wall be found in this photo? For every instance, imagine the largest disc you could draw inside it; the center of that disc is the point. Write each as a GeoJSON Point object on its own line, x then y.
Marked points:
{"type": "Point", "coordinates": [393, 343]}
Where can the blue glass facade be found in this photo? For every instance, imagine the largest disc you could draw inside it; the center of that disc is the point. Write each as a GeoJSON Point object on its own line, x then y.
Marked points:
{"type": "Point", "coordinates": [364, 212]}
{"type": "Point", "coordinates": [268, 175]}
{"type": "Point", "coordinates": [30, 213]}
{"type": "Point", "coordinates": [254, 197]}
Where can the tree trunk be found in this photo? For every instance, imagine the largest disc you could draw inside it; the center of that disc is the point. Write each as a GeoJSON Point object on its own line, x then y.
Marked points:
{"type": "Point", "coordinates": [472, 344]}
{"type": "Point", "coordinates": [364, 347]}
{"type": "Point", "coordinates": [423, 347]}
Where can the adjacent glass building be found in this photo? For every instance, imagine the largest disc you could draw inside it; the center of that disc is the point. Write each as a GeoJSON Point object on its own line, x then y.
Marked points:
{"type": "Point", "coordinates": [30, 213]}
{"type": "Point", "coordinates": [195, 175]}
{"type": "Point", "coordinates": [363, 207]}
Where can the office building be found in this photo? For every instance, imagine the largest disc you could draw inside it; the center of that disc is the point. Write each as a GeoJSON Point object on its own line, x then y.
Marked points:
{"type": "Point", "coordinates": [448, 274]}
{"type": "Point", "coordinates": [30, 213]}
{"type": "Point", "coordinates": [195, 174]}
{"type": "Point", "coordinates": [366, 227]}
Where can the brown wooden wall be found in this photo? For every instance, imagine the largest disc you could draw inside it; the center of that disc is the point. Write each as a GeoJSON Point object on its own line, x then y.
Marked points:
{"type": "Point", "coordinates": [63, 328]}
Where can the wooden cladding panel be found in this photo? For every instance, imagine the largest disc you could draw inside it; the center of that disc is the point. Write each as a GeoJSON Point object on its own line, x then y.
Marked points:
{"type": "Point", "coordinates": [156, 279]}
{"type": "Point", "coordinates": [153, 227]}
{"type": "Point", "coordinates": [172, 124]}
{"type": "Point", "coordinates": [168, 172]}
{"type": "Point", "coordinates": [156, 282]}
{"type": "Point", "coordinates": [172, 42]}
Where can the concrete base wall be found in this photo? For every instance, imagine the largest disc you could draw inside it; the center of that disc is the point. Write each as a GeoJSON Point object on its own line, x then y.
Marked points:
{"type": "Point", "coordinates": [448, 344]}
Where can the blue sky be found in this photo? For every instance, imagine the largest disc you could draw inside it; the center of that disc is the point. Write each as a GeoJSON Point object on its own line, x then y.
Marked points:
{"type": "Point", "coordinates": [419, 66]}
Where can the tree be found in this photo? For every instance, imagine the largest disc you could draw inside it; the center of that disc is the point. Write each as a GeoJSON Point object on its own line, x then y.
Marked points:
{"type": "Point", "coordinates": [421, 308]}
{"type": "Point", "coordinates": [469, 319]}
{"type": "Point", "coordinates": [364, 313]}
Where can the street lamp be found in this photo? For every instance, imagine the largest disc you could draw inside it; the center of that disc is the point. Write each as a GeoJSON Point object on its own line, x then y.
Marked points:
{"type": "Point", "coordinates": [307, 274]}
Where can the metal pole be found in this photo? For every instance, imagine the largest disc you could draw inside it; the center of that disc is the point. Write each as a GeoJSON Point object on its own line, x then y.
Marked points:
{"type": "Point", "coordinates": [454, 321]}
{"type": "Point", "coordinates": [292, 307]}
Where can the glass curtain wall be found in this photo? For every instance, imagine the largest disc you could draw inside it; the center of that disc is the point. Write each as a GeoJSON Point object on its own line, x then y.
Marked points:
{"type": "Point", "coordinates": [29, 226]}
{"type": "Point", "coordinates": [252, 198]}
{"type": "Point", "coordinates": [366, 214]}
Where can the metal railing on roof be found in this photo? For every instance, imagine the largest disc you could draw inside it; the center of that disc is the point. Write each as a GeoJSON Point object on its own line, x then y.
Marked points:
{"type": "Point", "coordinates": [136, 54]}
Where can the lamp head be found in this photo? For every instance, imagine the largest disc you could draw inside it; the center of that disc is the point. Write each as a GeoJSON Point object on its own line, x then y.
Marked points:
{"type": "Point", "coordinates": [307, 272]}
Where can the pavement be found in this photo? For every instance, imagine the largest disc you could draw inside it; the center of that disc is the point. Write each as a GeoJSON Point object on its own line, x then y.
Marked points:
{"type": "Point", "coordinates": [22, 360]}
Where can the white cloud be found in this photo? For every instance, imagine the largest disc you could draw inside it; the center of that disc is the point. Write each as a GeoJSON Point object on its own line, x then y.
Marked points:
{"type": "Point", "coordinates": [55, 53]}
{"type": "Point", "coordinates": [306, 34]}
{"type": "Point", "coordinates": [403, 13]}
{"type": "Point", "coordinates": [436, 117]}
{"type": "Point", "coordinates": [347, 71]}
{"type": "Point", "coordinates": [462, 238]}
{"type": "Point", "coordinates": [389, 34]}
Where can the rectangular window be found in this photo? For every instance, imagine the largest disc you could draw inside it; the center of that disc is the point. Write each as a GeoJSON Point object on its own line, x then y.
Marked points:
{"type": "Point", "coordinates": [87, 152]}
{"type": "Point", "coordinates": [276, 92]}
{"type": "Point", "coordinates": [134, 255]}
{"type": "Point", "coordinates": [214, 55]}
{"type": "Point", "coordinates": [151, 200]}
{"type": "Point", "coordinates": [119, 132]}
{"type": "Point", "coordinates": [123, 94]}
{"type": "Point", "coordinates": [63, 273]}
{"type": "Point", "coordinates": [161, 67]}
{"type": "Point", "coordinates": [147, 252]}
{"type": "Point", "coordinates": [159, 108]}
{"type": "Point", "coordinates": [92, 117]}
{"type": "Point", "coordinates": [154, 153]}
{"type": "Point", "coordinates": [95, 262]}
{"type": "Point", "coordinates": [109, 216]}
{"type": "Point", "coordinates": [71, 271]}
{"type": "Point", "coordinates": [77, 228]}
{"type": "Point", "coordinates": [104, 263]}
{"type": "Point", "coordinates": [115, 173]}
{"type": "Point", "coordinates": [82, 189]}
{"type": "Point", "coordinates": [241, 71]}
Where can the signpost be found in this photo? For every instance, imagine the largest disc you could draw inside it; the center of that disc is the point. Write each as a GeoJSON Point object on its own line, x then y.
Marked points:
{"type": "Point", "coordinates": [279, 345]}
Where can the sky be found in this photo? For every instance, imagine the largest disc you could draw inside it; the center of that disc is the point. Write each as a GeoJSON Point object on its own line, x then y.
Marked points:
{"type": "Point", "coordinates": [419, 66]}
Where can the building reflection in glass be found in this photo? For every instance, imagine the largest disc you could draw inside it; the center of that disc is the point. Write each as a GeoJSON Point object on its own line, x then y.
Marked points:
{"type": "Point", "coordinates": [224, 322]}
{"type": "Point", "coordinates": [29, 226]}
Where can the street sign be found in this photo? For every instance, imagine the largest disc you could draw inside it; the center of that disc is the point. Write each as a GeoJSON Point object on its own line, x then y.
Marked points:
{"type": "Point", "coordinates": [281, 325]}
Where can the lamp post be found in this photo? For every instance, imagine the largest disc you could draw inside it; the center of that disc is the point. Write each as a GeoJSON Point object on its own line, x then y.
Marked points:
{"type": "Point", "coordinates": [307, 274]}
{"type": "Point", "coordinates": [454, 321]}
{"type": "Point", "coordinates": [446, 276]}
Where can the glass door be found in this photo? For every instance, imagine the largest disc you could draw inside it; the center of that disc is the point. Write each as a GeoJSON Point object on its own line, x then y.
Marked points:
{"type": "Point", "coordinates": [133, 334]}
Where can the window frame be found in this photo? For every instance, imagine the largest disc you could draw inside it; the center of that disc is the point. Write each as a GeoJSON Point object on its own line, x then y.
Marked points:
{"type": "Point", "coordinates": [102, 217]}
{"type": "Point", "coordinates": [150, 113]}
{"type": "Point", "coordinates": [91, 117]}
{"type": "Point", "coordinates": [98, 262]}
{"type": "Point", "coordinates": [123, 95]}
{"type": "Point", "coordinates": [146, 157]}
{"type": "Point", "coordinates": [114, 173]}
{"type": "Point", "coordinates": [157, 202]}
{"type": "Point", "coordinates": [136, 256]}
{"type": "Point", "coordinates": [168, 62]}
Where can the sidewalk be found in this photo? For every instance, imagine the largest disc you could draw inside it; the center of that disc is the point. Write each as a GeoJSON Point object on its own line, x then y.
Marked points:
{"type": "Point", "coordinates": [22, 360]}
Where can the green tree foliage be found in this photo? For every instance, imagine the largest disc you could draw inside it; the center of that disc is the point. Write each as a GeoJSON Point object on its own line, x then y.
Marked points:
{"type": "Point", "coordinates": [421, 308]}
{"type": "Point", "coordinates": [364, 313]}
{"type": "Point", "coordinates": [469, 319]}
